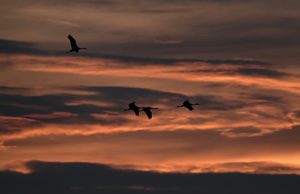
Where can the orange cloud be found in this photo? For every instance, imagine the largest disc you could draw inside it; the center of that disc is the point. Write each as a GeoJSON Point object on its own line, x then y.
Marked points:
{"type": "Point", "coordinates": [53, 115]}
{"type": "Point", "coordinates": [201, 72]}
{"type": "Point", "coordinates": [240, 109]}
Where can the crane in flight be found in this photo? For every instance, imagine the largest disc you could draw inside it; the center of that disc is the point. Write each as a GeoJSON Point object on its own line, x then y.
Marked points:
{"type": "Point", "coordinates": [132, 106]}
{"type": "Point", "coordinates": [74, 46]}
{"type": "Point", "coordinates": [188, 105]}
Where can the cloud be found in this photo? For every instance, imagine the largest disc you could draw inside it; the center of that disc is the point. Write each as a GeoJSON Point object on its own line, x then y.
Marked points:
{"type": "Point", "coordinates": [229, 72]}
{"type": "Point", "coordinates": [240, 131]}
{"type": "Point", "coordinates": [158, 53]}
{"type": "Point", "coordinates": [21, 47]}
{"type": "Point", "coordinates": [205, 29]}
{"type": "Point", "coordinates": [192, 151]}
{"type": "Point", "coordinates": [92, 178]}
{"type": "Point", "coordinates": [11, 125]}
{"type": "Point", "coordinates": [93, 110]}
{"type": "Point", "coordinates": [53, 115]}
{"type": "Point", "coordinates": [252, 167]}
{"type": "Point", "coordinates": [261, 72]}
{"type": "Point", "coordinates": [10, 46]}
{"type": "Point", "coordinates": [13, 90]}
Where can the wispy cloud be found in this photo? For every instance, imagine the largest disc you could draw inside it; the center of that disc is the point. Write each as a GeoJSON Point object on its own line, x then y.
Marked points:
{"type": "Point", "coordinates": [237, 59]}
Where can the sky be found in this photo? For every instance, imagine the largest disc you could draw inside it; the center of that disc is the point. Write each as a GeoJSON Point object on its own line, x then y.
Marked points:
{"type": "Point", "coordinates": [238, 59]}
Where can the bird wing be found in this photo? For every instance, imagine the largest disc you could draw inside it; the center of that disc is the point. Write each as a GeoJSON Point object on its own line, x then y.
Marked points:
{"type": "Point", "coordinates": [190, 107]}
{"type": "Point", "coordinates": [72, 42]}
{"type": "Point", "coordinates": [132, 105]}
{"type": "Point", "coordinates": [136, 111]}
{"type": "Point", "coordinates": [148, 113]}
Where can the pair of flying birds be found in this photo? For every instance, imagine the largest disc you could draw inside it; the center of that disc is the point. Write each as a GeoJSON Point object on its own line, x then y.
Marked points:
{"type": "Point", "coordinates": [136, 109]}
{"type": "Point", "coordinates": [132, 106]}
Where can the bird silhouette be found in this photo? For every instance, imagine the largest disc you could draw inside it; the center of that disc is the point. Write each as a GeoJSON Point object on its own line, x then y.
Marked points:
{"type": "Point", "coordinates": [132, 106]}
{"type": "Point", "coordinates": [148, 111]}
{"type": "Point", "coordinates": [74, 46]}
{"type": "Point", "coordinates": [188, 105]}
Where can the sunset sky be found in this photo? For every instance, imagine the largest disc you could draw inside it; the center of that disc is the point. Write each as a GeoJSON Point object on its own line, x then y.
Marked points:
{"type": "Point", "coordinates": [238, 59]}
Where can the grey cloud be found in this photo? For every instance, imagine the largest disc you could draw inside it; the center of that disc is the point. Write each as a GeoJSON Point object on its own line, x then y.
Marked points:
{"type": "Point", "coordinates": [15, 125]}
{"type": "Point", "coordinates": [265, 70]}
{"type": "Point", "coordinates": [19, 47]}
{"type": "Point", "coordinates": [116, 96]}
{"type": "Point", "coordinates": [85, 178]}
{"type": "Point", "coordinates": [195, 145]}
{"type": "Point", "coordinates": [21, 104]}
{"type": "Point", "coordinates": [267, 98]}
{"type": "Point", "coordinates": [261, 72]}
{"type": "Point", "coordinates": [244, 130]}
{"type": "Point", "coordinates": [265, 30]}
{"type": "Point", "coordinates": [296, 113]}
{"type": "Point", "coordinates": [10, 46]}
{"type": "Point", "coordinates": [13, 90]}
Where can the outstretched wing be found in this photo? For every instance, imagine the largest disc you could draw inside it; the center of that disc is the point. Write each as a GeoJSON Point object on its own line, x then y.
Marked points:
{"type": "Point", "coordinates": [136, 111]}
{"type": "Point", "coordinates": [148, 113]}
{"type": "Point", "coordinates": [135, 108]}
{"type": "Point", "coordinates": [190, 107]}
{"type": "Point", "coordinates": [73, 42]}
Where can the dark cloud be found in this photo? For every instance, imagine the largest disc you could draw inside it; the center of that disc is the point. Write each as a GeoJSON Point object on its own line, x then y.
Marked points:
{"type": "Point", "coordinates": [267, 98]}
{"type": "Point", "coordinates": [85, 178]}
{"type": "Point", "coordinates": [138, 52]}
{"type": "Point", "coordinates": [13, 90]}
{"type": "Point", "coordinates": [246, 130]}
{"type": "Point", "coordinates": [10, 46]}
{"type": "Point", "coordinates": [187, 146]}
{"type": "Point", "coordinates": [261, 72]}
{"type": "Point", "coordinates": [19, 47]}
{"type": "Point", "coordinates": [240, 131]}
{"type": "Point", "coordinates": [127, 94]}
{"type": "Point", "coordinates": [265, 30]}
{"type": "Point", "coordinates": [253, 167]}
{"type": "Point", "coordinates": [296, 113]}
{"type": "Point", "coordinates": [102, 105]}
{"type": "Point", "coordinates": [118, 98]}
{"type": "Point", "coordinates": [235, 35]}
{"type": "Point", "coordinates": [12, 125]}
